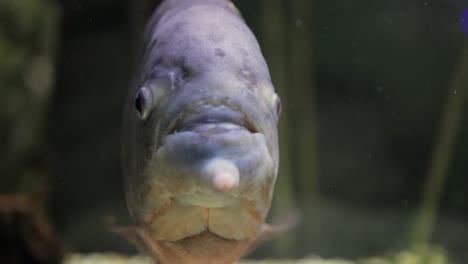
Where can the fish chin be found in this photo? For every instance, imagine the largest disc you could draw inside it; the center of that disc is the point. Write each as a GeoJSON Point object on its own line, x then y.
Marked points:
{"type": "Point", "coordinates": [194, 205]}
{"type": "Point", "coordinates": [197, 144]}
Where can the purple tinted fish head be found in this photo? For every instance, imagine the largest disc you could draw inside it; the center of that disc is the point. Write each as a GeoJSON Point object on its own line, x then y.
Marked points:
{"type": "Point", "coordinates": [200, 144]}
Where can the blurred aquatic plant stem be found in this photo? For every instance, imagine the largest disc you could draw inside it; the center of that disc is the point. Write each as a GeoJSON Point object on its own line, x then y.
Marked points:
{"type": "Point", "coordinates": [287, 32]}
{"type": "Point", "coordinates": [304, 119]}
{"type": "Point", "coordinates": [274, 30]}
{"type": "Point", "coordinates": [425, 217]}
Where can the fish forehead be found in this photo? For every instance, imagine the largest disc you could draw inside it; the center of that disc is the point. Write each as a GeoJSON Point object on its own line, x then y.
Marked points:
{"type": "Point", "coordinates": [221, 58]}
{"type": "Point", "coordinates": [203, 39]}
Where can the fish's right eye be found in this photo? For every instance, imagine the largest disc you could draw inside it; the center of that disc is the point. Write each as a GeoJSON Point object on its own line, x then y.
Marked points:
{"type": "Point", "coordinates": [143, 102]}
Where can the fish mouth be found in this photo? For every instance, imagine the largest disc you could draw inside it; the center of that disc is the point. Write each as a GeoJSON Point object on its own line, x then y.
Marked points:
{"type": "Point", "coordinates": [212, 119]}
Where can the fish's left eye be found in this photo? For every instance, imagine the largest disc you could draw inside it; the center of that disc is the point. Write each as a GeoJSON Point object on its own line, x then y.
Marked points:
{"type": "Point", "coordinates": [277, 105]}
{"type": "Point", "coordinates": [143, 102]}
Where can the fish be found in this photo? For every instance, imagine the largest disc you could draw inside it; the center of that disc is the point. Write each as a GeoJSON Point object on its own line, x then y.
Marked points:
{"type": "Point", "coordinates": [200, 150]}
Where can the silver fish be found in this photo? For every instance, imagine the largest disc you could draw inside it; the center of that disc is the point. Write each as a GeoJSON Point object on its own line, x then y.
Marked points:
{"type": "Point", "coordinates": [200, 144]}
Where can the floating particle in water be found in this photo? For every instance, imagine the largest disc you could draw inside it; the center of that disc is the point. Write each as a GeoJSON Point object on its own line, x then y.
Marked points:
{"type": "Point", "coordinates": [298, 22]}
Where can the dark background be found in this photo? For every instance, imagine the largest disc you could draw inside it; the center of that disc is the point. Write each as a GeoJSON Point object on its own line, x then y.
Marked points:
{"type": "Point", "coordinates": [381, 74]}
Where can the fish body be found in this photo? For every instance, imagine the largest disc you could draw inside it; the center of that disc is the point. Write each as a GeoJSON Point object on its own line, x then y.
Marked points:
{"type": "Point", "coordinates": [200, 144]}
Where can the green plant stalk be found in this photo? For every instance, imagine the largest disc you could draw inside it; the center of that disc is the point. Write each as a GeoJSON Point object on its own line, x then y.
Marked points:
{"type": "Point", "coordinates": [304, 123]}
{"type": "Point", "coordinates": [273, 28]}
{"type": "Point", "coordinates": [425, 217]}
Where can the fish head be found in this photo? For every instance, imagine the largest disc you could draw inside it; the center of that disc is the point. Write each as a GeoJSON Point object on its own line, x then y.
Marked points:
{"type": "Point", "coordinates": [200, 143]}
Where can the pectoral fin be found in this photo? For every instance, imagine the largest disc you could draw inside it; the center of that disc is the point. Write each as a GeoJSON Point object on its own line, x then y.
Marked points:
{"type": "Point", "coordinates": [288, 221]}
{"type": "Point", "coordinates": [132, 233]}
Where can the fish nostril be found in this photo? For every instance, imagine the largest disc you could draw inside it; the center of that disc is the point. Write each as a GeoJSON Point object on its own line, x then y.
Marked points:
{"type": "Point", "coordinates": [220, 52]}
{"type": "Point", "coordinates": [247, 75]}
{"type": "Point", "coordinates": [184, 73]}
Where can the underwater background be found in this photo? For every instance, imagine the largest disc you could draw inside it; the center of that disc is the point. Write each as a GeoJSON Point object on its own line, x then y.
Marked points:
{"type": "Point", "coordinates": [372, 133]}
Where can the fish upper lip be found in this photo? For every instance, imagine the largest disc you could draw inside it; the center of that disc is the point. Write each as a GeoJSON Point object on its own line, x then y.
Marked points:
{"type": "Point", "coordinates": [206, 113]}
